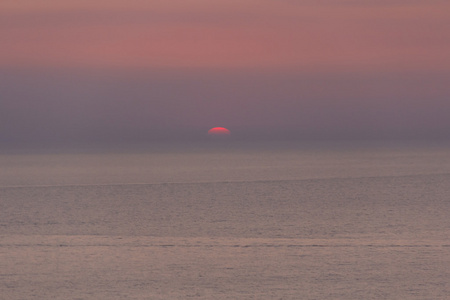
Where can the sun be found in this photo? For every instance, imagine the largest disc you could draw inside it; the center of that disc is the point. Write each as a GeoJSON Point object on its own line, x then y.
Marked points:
{"type": "Point", "coordinates": [219, 132]}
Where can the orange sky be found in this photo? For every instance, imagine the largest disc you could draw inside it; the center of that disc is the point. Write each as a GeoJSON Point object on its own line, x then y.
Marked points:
{"type": "Point", "coordinates": [306, 35]}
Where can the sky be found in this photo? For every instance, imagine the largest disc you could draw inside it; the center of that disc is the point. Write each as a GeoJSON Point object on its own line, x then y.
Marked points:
{"type": "Point", "coordinates": [121, 71]}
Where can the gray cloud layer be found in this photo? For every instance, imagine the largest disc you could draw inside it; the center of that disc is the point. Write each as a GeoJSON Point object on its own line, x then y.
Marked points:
{"type": "Point", "coordinates": [132, 106]}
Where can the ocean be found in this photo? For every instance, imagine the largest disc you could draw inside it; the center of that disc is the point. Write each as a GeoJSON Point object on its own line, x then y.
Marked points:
{"type": "Point", "coordinates": [227, 221]}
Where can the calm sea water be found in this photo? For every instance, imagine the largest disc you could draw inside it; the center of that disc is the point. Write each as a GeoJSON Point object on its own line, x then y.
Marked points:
{"type": "Point", "coordinates": [227, 222]}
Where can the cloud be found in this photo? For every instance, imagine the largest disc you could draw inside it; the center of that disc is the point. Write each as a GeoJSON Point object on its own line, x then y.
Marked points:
{"type": "Point", "coordinates": [46, 106]}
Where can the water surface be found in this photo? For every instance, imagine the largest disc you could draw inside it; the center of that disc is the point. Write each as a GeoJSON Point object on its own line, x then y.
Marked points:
{"type": "Point", "coordinates": [234, 222]}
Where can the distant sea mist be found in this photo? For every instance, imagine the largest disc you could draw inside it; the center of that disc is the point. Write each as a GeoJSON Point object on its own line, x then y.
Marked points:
{"type": "Point", "coordinates": [125, 106]}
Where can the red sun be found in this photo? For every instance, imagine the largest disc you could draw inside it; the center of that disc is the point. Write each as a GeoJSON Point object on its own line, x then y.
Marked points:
{"type": "Point", "coordinates": [219, 131]}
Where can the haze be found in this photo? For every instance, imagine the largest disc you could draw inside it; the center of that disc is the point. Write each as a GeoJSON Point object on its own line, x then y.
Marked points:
{"type": "Point", "coordinates": [121, 71]}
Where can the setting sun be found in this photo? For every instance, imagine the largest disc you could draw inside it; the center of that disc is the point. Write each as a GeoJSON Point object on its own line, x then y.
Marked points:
{"type": "Point", "coordinates": [219, 131]}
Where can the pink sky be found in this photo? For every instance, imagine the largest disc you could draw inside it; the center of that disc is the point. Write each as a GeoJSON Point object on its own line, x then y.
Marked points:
{"type": "Point", "coordinates": [312, 35]}
{"type": "Point", "coordinates": [118, 70]}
